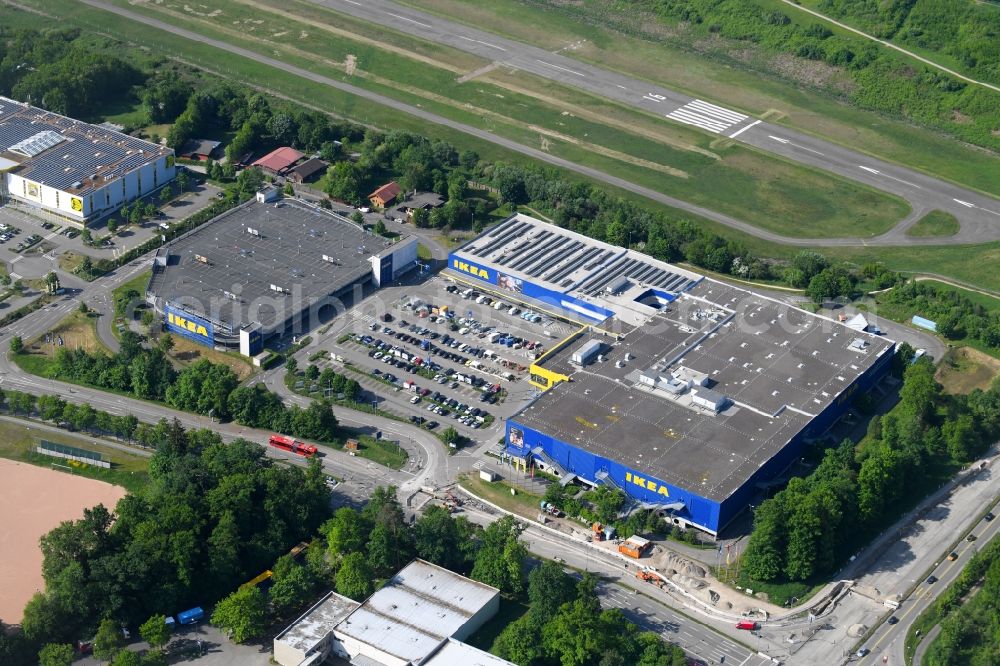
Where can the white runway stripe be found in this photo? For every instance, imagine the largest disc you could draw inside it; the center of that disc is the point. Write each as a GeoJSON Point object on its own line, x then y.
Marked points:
{"type": "Point", "coordinates": [717, 111]}
{"type": "Point", "coordinates": [707, 116]}
{"type": "Point", "coordinates": [698, 121]}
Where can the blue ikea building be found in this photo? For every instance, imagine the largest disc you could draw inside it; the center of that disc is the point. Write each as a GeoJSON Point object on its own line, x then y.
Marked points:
{"type": "Point", "coordinates": [691, 395]}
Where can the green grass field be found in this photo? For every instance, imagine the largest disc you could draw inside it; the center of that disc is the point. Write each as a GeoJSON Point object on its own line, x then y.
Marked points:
{"type": "Point", "coordinates": [19, 439]}
{"type": "Point", "coordinates": [780, 196]}
{"type": "Point", "coordinates": [672, 60]}
{"type": "Point", "coordinates": [935, 223]}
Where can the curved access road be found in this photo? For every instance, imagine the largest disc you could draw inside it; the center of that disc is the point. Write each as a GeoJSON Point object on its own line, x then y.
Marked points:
{"type": "Point", "coordinates": [980, 215]}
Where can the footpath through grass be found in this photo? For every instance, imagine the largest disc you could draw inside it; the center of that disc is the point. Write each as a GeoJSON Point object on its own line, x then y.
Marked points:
{"type": "Point", "coordinates": [19, 439]}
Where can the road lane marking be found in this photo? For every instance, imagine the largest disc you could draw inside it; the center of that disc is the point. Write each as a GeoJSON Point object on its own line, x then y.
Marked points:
{"type": "Point", "coordinates": [477, 41]}
{"type": "Point", "coordinates": [964, 203]}
{"type": "Point", "coordinates": [740, 131]}
{"type": "Point", "coordinates": [403, 18]}
{"type": "Point", "coordinates": [558, 67]}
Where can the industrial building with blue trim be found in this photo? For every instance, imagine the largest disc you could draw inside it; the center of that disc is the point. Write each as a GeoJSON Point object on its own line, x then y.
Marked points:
{"type": "Point", "coordinates": [689, 394]}
{"type": "Point", "coordinates": [268, 268]}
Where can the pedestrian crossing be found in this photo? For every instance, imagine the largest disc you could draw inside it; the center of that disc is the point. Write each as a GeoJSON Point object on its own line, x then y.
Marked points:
{"type": "Point", "coordinates": [707, 116]}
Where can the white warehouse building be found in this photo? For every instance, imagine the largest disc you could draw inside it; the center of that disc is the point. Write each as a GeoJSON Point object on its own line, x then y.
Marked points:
{"type": "Point", "coordinates": [73, 169]}
{"type": "Point", "coordinates": [419, 617]}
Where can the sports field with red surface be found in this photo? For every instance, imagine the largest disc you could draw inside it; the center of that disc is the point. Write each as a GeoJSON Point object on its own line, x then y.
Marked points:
{"type": "Point", "coordinates": [33, 500]}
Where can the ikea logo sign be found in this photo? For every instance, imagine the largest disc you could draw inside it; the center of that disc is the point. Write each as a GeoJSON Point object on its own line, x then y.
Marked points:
{"type": "Point", "coordinates": [470, 269]}
{"type": "Point", "coordinates": [190, 327]}
{"type": "Point", "coordinates": [647, 484]}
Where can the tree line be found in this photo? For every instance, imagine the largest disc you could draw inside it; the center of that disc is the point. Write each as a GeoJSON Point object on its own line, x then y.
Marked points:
{"type": "Point", "coordinates": [204, 387]}
{"type": "Point", "coordinates": [968, 625]}
{"type": "Point", "coordinates": [566, 625]}
{"type": "Point", "coordinates": [811, 526]}
{"type": "Point", "coordinates": [212, 516]}
{"type": "Point", "coordinates": [59, 72]}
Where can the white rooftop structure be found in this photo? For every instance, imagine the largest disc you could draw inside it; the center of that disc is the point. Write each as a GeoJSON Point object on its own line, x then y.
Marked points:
{"type": "Point", "coordinates": [420, 616]}
{"type": "Point", "coordinates": [457, 653]}
{"type": "Point", "coordinates": [313, 630]}
{"type": "Point", "coordinates": [414, 612]}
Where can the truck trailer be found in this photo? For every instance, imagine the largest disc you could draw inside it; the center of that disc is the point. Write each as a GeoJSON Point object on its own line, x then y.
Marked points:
{"type": "Point", "coordinates": [292, 445]}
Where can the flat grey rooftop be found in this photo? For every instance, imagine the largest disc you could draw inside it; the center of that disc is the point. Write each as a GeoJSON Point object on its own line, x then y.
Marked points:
{"type": "Point", "coordinates": [316, 623]}
{"type": "Point", "coordinates": [288, 253]}
{"type": "Point", "coordinates": [778, 365]}
{"type": "Point", "coordinates": [68, 154]}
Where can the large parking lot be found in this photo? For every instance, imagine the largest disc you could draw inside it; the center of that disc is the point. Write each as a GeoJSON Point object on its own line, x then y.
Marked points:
{"type": "Point", "coordinates": [441, 354]}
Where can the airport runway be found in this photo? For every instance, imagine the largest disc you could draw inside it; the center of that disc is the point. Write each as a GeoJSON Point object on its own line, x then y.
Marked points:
{"type": "Point", "coordinates": [978, 213]}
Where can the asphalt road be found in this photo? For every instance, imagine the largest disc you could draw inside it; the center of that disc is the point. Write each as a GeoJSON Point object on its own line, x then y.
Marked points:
{"type": "Point", "coordinates": [619, 589]}
{"type": "Point", "coordinates": [976, 217]}
{"type": "Point", "coordinates": [979, 214]}
{"type": "Point", "coordinates": [887, 640]}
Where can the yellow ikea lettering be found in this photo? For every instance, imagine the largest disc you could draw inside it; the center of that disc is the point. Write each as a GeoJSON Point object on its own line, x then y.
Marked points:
{"type": "Point", "coordinates": [181, 322]}
{"type": "Point", "coordinates": [647, 484]}
{"type": "Point", "coordinates": [470, 269]}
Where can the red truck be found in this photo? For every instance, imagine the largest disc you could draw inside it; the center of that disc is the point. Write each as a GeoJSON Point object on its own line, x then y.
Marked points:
{"type": "Point", "coordinates": [748, 625]}
{"type": "Point", "coordinates": [293, 445]}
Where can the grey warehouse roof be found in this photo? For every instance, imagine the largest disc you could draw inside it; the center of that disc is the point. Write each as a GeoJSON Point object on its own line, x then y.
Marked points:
{"type": "Point", "coordinates": [316, 623]}
{"type": "Point", "coordinates": [779, 366]}
{"type": "Point", "coordinates": [68, 154]}
{"type": "Point", "coordinates": [286, 251]}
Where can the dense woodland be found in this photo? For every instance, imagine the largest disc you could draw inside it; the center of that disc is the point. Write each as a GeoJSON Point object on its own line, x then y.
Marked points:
{"type": "Point", "coordinates": [966, 30]}
{"type": "Point", "coordinates": [212, 516]}
{"type": "Point", "coordinates": [810, 527]}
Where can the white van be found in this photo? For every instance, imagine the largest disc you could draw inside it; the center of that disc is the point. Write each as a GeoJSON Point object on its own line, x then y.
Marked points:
{"type": "Point", "coordinates": [499, 305]}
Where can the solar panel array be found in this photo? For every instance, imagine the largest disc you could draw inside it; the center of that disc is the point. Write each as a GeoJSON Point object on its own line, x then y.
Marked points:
{"type": "Point", "coordinates": [68, 154]}
{"type": "Point", "coordinates": [569, 261]}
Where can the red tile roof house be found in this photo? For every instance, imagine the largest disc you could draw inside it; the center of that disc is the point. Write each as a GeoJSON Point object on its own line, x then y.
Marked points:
{"type": "Point", "coordinates": [384, 195]}
{"type": "Point", "coordinates": [278, 161]}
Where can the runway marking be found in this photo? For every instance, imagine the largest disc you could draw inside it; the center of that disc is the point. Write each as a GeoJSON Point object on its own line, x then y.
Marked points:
{"type": "Point", "coordinates": [740, 131]}
{"type": "Point", "coordinates": [558, 67]}
{"type": "Point", "coordinates": [621, 86]}
{"type": "Point", "coordinates": [964, 203]}
{"type": "Point", "coordinates": [354, 3]}
{"type": "Point", "coordinates": [707, 116]}
{"type": "Point", "coordinates": [477, 41]}
{"type": "Point", "coordinates": [885, 175]}
{"type": "Point", "coordinates": [777, 138]}
{"type": "Point", "coordinates": [403, 18]}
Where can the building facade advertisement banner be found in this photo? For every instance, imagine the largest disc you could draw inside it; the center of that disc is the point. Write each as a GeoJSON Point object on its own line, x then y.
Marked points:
{"type": "Point", "coordinates": [385, 269]}
{"type": "Point", "coordinates": [190, 326]}
{"type": "Point", "coordinates": [466, 267]}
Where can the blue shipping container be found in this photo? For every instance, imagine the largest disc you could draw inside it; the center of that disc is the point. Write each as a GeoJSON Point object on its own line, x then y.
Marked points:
{"type": "Point", "coordinates": [190, 616]}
